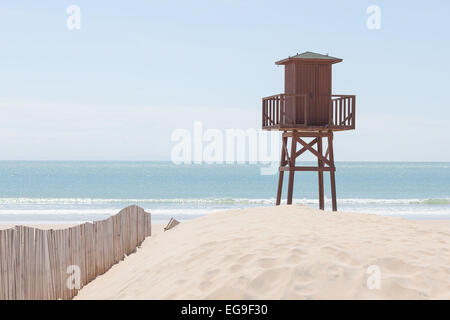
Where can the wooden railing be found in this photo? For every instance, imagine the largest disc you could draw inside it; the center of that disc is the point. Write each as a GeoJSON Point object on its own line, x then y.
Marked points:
{"type": "Point", "coordinates": [38, 264]}
{"type": "Point", "coordinates": [275, 109]}
{"type": "Point", "coordinates": [342, 111]}
{"type": "Point", "coordinates": [271, 110]}
{"type": "Point", "coordinates": [281, 110]}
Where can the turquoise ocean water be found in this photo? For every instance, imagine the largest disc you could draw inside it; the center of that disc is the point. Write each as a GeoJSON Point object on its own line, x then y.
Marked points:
{"type": "Point", "coordinates": [85, 191]}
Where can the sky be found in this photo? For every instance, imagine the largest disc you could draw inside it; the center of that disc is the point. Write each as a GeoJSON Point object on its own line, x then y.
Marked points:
{"type": "Point", "coordinates": [135, 71]}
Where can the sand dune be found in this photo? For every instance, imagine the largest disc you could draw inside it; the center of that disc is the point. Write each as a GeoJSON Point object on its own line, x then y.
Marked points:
{"type": "Point", "coordinates": [285, 252]}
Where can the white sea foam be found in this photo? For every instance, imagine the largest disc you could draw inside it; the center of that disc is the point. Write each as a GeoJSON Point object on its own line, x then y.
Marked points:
{"type": "Point", "coordinates": [74, 201]}
{"type": "Point", "coordinates": [96, 212]}
{"type": "Point", "coordinates": [86, 209]}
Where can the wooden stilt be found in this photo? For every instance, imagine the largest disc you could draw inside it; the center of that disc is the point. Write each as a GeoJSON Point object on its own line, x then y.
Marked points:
{"type": "Point", "coordinates": [320, 165]}
{"type": "Point", "coordinates": [332, 176]}
{"type": "Point", "coordinates": [292, 166]}
{"type": "Point", "coordinates": [324, 163]}
{"type": "Point", "coordinates": [281, 173]}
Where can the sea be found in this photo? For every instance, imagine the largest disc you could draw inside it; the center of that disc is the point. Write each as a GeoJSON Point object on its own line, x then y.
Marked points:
{"type": "Point", "coordinates": [75, 192]}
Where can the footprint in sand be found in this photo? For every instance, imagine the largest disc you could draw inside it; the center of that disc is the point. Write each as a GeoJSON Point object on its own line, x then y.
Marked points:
{"type": "Point", "coordinates": [245, 258]}
{"type": "Point", "coordinates": [293, 259]}
{"type": "Point", "coordinates": [211, 273]}
{"type": "Point", "coordinates": [341, 255]}
{"type": "Point", "coordinates": [235, 267]}
{"type": "Point", "coordinates": [267, 262]}
{"type": "Point", "coordinates": [297, 251]}
{"type": "Point", "coordinates": [398, 266]}
{"type": "Point", "coordinates": [205, 285]}
{"type": "Point", "coordinates": [268, 278]}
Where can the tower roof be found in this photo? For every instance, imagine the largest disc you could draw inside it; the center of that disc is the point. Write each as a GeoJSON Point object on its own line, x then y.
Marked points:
{"type": "Point", "coordinates": [310, 57]}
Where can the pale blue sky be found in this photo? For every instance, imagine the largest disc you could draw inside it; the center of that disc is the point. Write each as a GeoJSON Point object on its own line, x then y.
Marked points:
{"type": "Point", "coordinates": [137, 70]}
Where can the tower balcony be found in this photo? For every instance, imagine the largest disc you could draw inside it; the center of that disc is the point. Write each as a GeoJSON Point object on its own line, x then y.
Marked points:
{"type": "Point", "coordinates": [308, 112]}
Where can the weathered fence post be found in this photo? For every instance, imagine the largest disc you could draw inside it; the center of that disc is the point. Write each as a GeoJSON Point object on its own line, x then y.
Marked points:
{"type": "Point", "coordinates": [34, 262]}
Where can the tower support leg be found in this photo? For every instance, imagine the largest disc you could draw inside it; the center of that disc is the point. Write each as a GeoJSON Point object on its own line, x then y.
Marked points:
{"type": "Point", "coordinates": [324, 162]}
{"type": "Point", "coordinates": [332, 171]}
{"type": "Point", "coordinates": [320, 173]}
{"type": "Point", "coordinates": [292, 168]}
{"type": "Point", "coordinates": [283, 163]}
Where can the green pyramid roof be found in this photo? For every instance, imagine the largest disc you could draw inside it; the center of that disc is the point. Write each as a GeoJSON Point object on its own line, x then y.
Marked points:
{"type": "Point", "coordinates": [310, 56]}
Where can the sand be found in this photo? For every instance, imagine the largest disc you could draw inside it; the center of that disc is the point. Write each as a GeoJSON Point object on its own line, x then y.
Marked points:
{"type": "Point", "coordinates": [285, 252]}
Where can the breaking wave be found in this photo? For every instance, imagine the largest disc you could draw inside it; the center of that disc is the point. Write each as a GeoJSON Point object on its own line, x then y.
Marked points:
{"type": "Point", "coordinates": [74, 201]}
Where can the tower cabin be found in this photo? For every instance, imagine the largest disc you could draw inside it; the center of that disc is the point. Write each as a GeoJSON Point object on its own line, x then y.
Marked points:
{"type": "Point", "coordinates": [308, 109]}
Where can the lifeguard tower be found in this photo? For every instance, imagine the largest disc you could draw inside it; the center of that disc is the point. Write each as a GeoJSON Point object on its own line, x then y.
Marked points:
{"type": "Point", "coordinates": [308, 110]}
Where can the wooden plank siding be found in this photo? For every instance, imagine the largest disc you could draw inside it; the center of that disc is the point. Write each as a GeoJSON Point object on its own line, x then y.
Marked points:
{"type": "Point", "coordinates": [34, 262]}
{"type": "Point", "coordinates": [307, 102]}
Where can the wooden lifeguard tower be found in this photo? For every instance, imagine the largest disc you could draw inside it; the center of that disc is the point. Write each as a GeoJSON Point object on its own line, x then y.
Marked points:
{"type": "Point", "coordinates": [308, 109]}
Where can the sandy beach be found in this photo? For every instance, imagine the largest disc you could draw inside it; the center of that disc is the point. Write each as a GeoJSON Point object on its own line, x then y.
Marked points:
{"type": "Point", "coordinates": [286, 252]}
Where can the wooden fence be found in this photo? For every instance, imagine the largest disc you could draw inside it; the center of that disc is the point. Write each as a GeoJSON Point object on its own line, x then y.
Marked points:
{"type": "Point", "coordinates": [39, 264]}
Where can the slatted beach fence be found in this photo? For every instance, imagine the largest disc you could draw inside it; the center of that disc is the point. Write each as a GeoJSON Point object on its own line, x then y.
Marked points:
{"type": "Point", "coordinates": [40, 264]}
